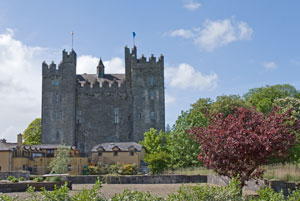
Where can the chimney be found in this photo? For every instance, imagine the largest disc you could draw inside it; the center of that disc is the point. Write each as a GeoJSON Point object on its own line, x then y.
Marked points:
{"type": "Point", "coordinates": [20, 140]}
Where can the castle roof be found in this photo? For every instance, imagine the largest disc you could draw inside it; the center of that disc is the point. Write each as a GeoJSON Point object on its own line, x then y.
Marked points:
{"type": "Point", "coordinates": [92, 78]}
{"type": "Point", "coordinates": [123, 146]}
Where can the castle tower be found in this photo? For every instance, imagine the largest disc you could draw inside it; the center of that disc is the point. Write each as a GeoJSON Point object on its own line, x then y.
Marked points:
{"type": "Point", "coordinates": [58, 100]}
{"type": "Point", "coordinates": [148, 96]}
{"type": "Point", "coordinates": [100, 69]}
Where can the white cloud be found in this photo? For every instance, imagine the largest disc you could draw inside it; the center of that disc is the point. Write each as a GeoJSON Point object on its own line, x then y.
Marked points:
{"type": "Point", "coordinates": [20, 84]}
{"type": "Point", "coordinates": [185, 76]}
{"type": "Point", "coordinates": [215, 34]}
{"type": "Point", "coordinates": [270, 65]}
{"type": "Point", "coordinates": [169, 99]}
{"type": "Point", "coordinates": [88, 64]}
{"type": "Point", "coordinates": [192, 5]}
{"type": "Point", "coordinates": [222, 32]}
{"type": "Point", "coordinates": [182, 33]}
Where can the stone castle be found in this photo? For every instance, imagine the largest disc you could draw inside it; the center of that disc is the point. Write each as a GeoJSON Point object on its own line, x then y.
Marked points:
{"type": "Point", "coordinates": [84, 110]}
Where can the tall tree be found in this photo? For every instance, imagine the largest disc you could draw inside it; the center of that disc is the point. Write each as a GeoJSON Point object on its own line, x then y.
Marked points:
{"type": "Point", "coordinates": [33, 133]}
{"type": "Point", "coordinates": [59, 164]}
{"type": "Point", "coordinates": [263, 98]}
{"type": "Point", "coordinates": [240, 143]}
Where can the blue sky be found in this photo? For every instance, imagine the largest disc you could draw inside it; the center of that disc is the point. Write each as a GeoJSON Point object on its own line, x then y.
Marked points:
{"type": "Point", "coordinates": [211, 47]}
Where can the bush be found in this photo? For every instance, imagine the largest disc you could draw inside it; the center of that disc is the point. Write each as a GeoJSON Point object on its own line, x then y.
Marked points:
{"type": "Point", "coordinates": [92, 194]}
{"type": "Point", "coordinates": [93, 170]}
{"type": "Point", "coordinates": [12, 179]}
{"type": "Point", "coordinates": [129, 169]}
{"type": "Point", "coordinates": [115, 169]}
{"type": "Point", "coordinates": [21, 179]}
{"type": "Point", "coordinates": [38, 179]}
{"type": "Point", "coordinates": [158, 162]}
{"type": "Point", "coordinates": [128, 195]}
{"type": "Point", "coordinates": [102, 168]}
{"type": "Point", "coordinates": [55, 179]}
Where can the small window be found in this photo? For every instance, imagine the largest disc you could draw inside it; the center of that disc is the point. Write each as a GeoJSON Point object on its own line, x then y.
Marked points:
{"type": "Point", "coordinates": [152, 95]}
{"type": "Point", "coordinates": [57, 136]}
{"type": "Point", "coordinates": [54, 82]}
{"type": "Point", "coordinates": [24, 167]}
{"type": "Point", "coordinates": [151, 81]}
{"type": "Point", "coordinates": [57, 98]}
{"type": "Point", "coordinates": [140, 115]}
{"type": "Point", "coordinates": [131, 153]}
{"type": "Point", "coordinates": [58, 115]}
{"type": "Point", "coordinates": [50, 153]}
{"type": "Point", "coordinates": [0, 168]}
{"type": "Point", "coordinates": [36, 155]}
{"type": "Point", "coordinates": [100, 153]}
{"type": "Point", "coordinates": [152, 115]}
{"type": "Point", "coordinates": [116, 116]}
{"type": "Point", "coordinates": [69, 167]}
{"type": "Point", "coordinates": [115, 153]}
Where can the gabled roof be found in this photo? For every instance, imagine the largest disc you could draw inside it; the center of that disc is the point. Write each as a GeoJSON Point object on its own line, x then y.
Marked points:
{"type": "Point", "coordinates": [92, 78]}
{"type": "Point", "coordinates": [123, 146]}
{"type": "Point", "coordinates": [6, 146]}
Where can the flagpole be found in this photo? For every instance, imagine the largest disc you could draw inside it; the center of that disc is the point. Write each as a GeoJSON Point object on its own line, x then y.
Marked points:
{"type": "Point", "coordinates": [72, 39]}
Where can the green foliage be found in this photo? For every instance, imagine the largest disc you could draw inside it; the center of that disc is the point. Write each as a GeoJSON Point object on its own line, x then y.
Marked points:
{"type": "Point", "coordinates": [182, 148]}
{"type": "Point", "coordinates": [226, 104]}
{"type": "Point", "coordinates": [12, 179]}
{"type": "Point", "coordinates": [8, 198]}
{"type": "Point", "coordinates": [154, 142]}
{"type": "Point", "coordinates": [128, 195]}
{"type": "Point", "coordinates": [55, 179]}
{"type": "Point", "coordinates": [58, 194]}
{"type": "Point", "coordinates": [59, 164]}
{"type": "Point", "coordinates": [128, 169]}
{"type": "Point", "coordinates": [158, 161]}
{"type": "Point", "coordinates": [92, 194]}
{"type": "Point", "coordinates": [263, 98]}
{"type": "Point", "coordinates": [38, 179]}
{"type": "Point", "coordinates": [32, 134]}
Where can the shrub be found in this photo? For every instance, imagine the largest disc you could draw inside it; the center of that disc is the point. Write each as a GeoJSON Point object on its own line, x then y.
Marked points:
{"type": "Point", "coordinates": [114, 168]}
{"type": "Point", "coordinates": [93, 170]}
{"type": "Point", "coordinates": [158, 162]}
{"type": "Point", "coordinates": [55, 179]}
{"type": "Point", "coordinates": [38, 179]}
{"type": "Point", "coordinates": [21, 179]}
{"type": "Point", "coordinates": [12, 179]}
{"type": "Point", "coordinates": [102, 168]}
{"type": "Point", "coordinates": [128, 195]}
{"type": "Point", "coordinates": [129, 169]}
{"type": "Point", "coordinates": [92, 194]}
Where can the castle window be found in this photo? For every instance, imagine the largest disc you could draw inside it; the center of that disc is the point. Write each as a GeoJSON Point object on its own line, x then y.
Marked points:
{"type": "Point", "coordinates": [151, 81]}
{"type": "Point", "coordinates": [57, 136]}
{"type": "Point", "coordinates": [57, 98]}
{"type": "Point", "coordinates": [140, 115]}
{"type": "Point", "coordinates": [152, 94]}
{"type": "Point", "coordinates": [58, 115]}
{"type": "Point", "coordinates": [54, 82]}
{"type": "Point", "coordinates": [116, 116]}
{"type": "Point", "coordinates": [79, 119]}
{"type": "Point", "coordinates": [152, 115]}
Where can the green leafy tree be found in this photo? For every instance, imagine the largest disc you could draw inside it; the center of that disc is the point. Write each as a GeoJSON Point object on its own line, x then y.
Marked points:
{"type": "Point", "coordinates": [158, 162]}
{"type": "Point", "coordinates": [59, 164]}
{"type": "Point", "coordinates": [154, 142]}
{"type": "Point", "coordinates": [284, 105]}
{"type": "Point", "coordinates": [32, 134]}
{"type": "Point", "coordinates": [263, 98]}
{"type": "Point", "coordinates": [183, 149]}
{"type": "Point", "coordinates": [226, 104]}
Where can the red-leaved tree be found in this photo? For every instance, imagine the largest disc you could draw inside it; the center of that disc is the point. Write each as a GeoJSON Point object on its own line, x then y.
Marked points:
{"type": "Point", "coordinates": [240, 143]}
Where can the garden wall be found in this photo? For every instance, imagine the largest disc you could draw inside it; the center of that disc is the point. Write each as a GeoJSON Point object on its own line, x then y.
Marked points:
{"type": "Point", "coordinates": [17, 174]}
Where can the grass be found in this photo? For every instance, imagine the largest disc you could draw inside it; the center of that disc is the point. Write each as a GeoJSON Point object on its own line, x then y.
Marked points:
{"type": "Point", "coordinates": [286, 172]}
{"type": "Point", "coordinates": [191, 171]}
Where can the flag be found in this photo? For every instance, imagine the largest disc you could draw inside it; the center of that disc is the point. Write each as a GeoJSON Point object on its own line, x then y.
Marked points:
{"type": "Point", "coordinates": [133, 34]}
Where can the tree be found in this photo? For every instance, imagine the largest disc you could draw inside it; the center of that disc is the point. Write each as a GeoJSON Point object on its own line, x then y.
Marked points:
{"type": "Point", "coordinates": [236, 146]}
{"type": "Point", "coordinates": [157, 156]}
{"type": "Point", "coordinates": [32, 134]}
{"type": "Point", "coordinates": [154, 142]}
{"type": "Point", "coordinates": [182, 148]}
{"type": "Point", "coordinates": [59, 165]}
{"type": "Point", "coordinates": [293, 105]}
{"type": "Point", "coordinates": [262, 98]}
{"type": "Point", "coordinates": [226, 104]}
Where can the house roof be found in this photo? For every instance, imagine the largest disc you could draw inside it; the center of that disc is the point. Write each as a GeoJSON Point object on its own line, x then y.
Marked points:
{"type": "Point", "coordinates": [6, 146]}
{"type": "Point", "coordinates": [92, 78]}
{"type": "Point", "coordinates": [123, 146]}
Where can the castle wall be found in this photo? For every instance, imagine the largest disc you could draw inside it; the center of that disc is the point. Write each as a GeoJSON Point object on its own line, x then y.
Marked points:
{"type": "Point", "coordinates": [103, 114]}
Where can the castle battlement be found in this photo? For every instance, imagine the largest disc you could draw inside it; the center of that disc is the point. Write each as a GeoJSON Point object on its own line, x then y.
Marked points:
{"type": "Point", "coordinates": [151, 59]}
